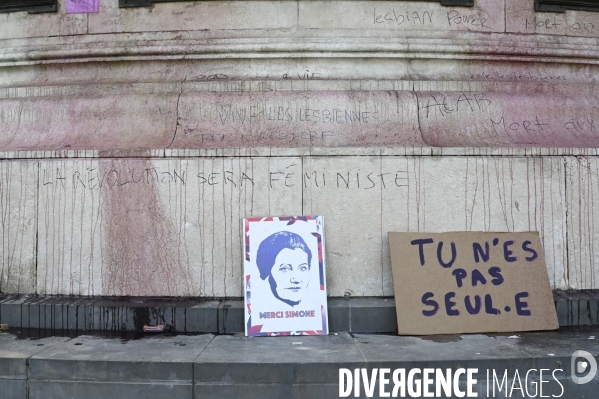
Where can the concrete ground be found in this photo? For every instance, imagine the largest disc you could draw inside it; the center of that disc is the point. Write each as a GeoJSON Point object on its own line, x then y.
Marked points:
{"type": "Point", "coordinates": [234, 366]}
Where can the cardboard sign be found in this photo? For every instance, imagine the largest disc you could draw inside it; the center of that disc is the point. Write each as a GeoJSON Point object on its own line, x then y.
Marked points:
{"type": "Point", "coordinates": [467, 282]}
{"type": "Point", "coordinates": [284, 283]}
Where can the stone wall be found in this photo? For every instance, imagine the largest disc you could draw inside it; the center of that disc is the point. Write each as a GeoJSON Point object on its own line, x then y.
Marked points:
{"type": "Point", "coordinates": [134, 140]}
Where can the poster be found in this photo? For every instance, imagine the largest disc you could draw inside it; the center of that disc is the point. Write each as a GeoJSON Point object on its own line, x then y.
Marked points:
{"type": "Point", "coordinates": [470, 282]}
{"type": "Point", "coordinates": [284, 276]}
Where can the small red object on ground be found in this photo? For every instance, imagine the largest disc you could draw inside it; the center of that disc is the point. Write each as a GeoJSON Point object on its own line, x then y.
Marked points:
{"type": "Point", "coordinates": [156, 328]}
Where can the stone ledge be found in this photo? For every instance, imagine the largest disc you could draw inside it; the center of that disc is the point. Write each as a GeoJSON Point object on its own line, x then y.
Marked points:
{"type": "Point", "coordinates": [211, 366]}
{"type": "Point", "coordinates": [311, 43]}
{"type": "Point", "coordinates": [115, 314]}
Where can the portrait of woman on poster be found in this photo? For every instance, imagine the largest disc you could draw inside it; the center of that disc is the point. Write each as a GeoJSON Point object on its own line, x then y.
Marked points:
{"type": "Point", "coordinates": [285, 260]}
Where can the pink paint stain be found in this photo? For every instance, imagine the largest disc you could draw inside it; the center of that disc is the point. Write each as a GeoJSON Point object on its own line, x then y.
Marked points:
{"type": "Point", "coordinates": [143, 242]}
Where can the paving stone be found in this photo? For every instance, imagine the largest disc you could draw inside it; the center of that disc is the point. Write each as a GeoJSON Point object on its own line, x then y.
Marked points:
{"type": "Point", "coordinates": [555, 348]}
{"type": "Point", "coordinates": [338, 314]}
{"type": "Point", "coordinates": [290, 367]}
{"type": "Point", "coordinates": [265, 391]}
{"type": "Point", "coordinates": [202, 317]}
{"type": "Point", "coordinates": [562, 307]}
{"type": "Point", "coordinates": [230, 317]}
{"type": "Point", "coordinates": [179, 321]}
{"type": "Point", "coordinates": [162, 315]}
{"type": "Point", "coordinates": [281, 360]}
{"type": "Point", "coordinates": [442, 351]}
{"type": "Point", "coordinates": [111, 315]}
{"type": "Point", "coordinates": [15, 352]}
{"type": "Point", "coordinates": [584, 312]}
{"type": "Point", "coordinates": [34, 319]}
{"type": "Point", "coordinates": [373, 315]}
{"type": "Point", "coordinates": [39, 389]}
{"type": "Point", "coordinates": [10, 310]}
{"type": "Point", "coordinates": [52, 313]}
{"type": "Point", "coordinates": [77, 313]}
{"type": "Point", "coordinates": [156, 358]}
{"type": "Point", "coordinates": [13, 389]}
{"type": "Point", "coordinates": [594, 306]}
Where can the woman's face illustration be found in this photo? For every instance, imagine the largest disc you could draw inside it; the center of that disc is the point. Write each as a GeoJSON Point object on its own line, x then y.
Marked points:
{"type": "Point", "coordinates": [291, 275]}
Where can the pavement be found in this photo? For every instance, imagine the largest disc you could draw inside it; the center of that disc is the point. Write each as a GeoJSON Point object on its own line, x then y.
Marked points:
{"type": "Point", "coordinates": [233, 366]}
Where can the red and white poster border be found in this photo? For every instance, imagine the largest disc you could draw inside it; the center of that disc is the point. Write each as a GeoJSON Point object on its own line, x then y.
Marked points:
{"type": "Point", "coordinates": [300, 233]}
